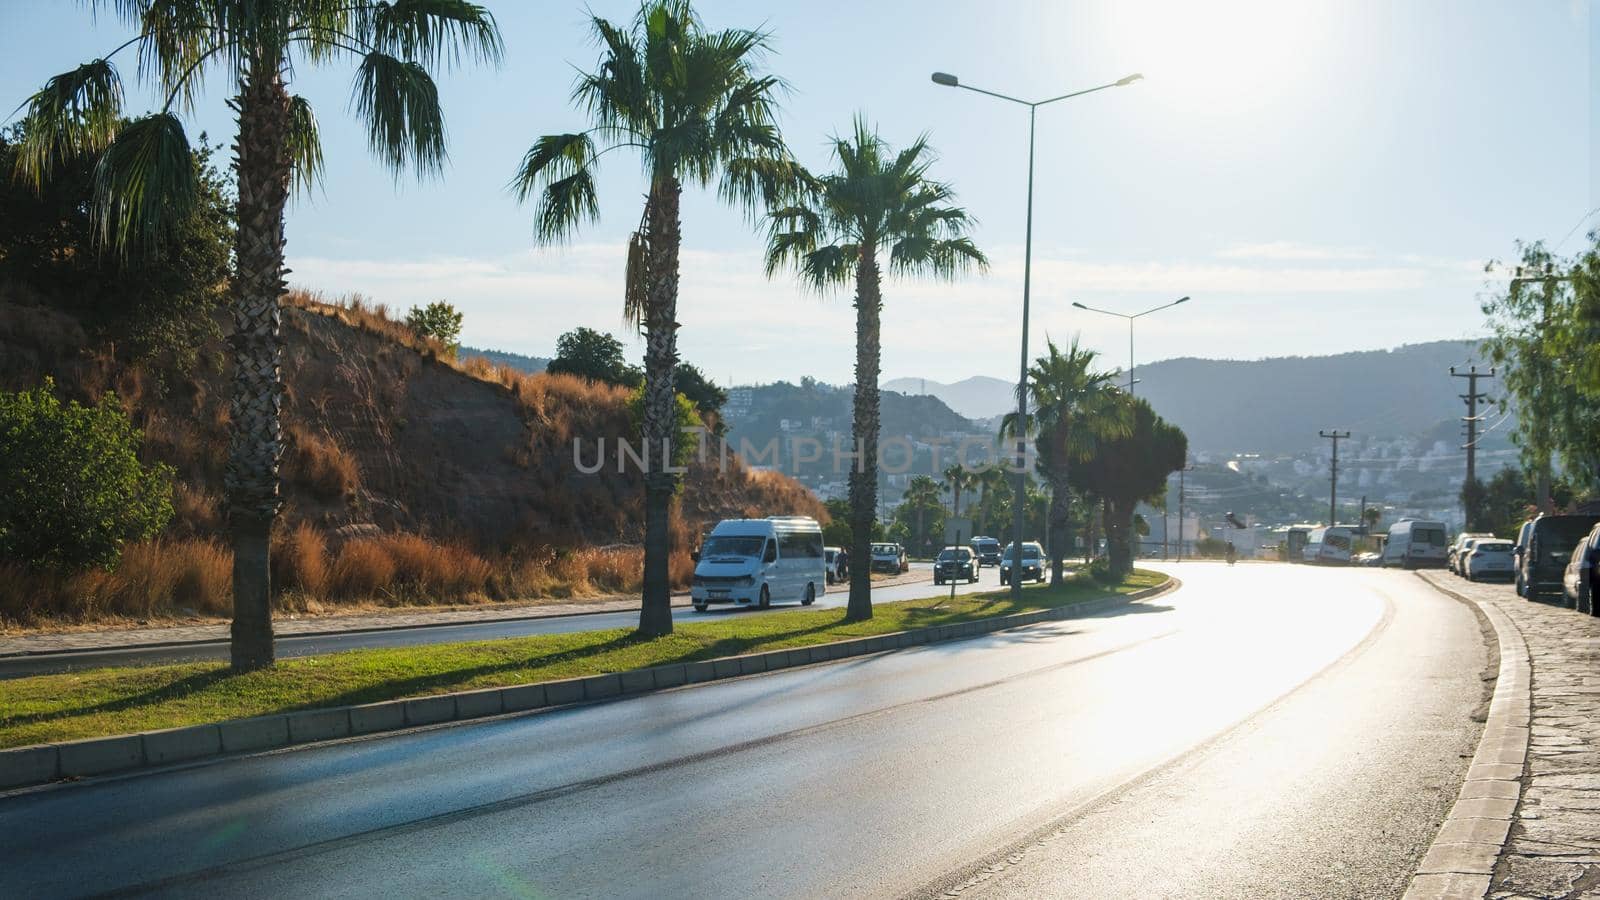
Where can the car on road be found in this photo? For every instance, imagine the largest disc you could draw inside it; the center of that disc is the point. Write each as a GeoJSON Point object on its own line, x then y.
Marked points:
{"type": "Point", "coordinates": [1459, 548]}
{"type": "Point", "coordinates": [1579, 581]}
{"type": "Point", "coordinates": [955, 564]}
{"type": "Point", "coordinates": [1031, 566]}
{"type": "Point", "coordinates": [1367, 559]}
{"type": "Point", "coordinates": [1543, 558]}
{"type": "Point", "coordinates": [1486, 558]}
{"type": "Point", "coordinates": [1416, 544]}
{"type": "Point", "coordinates": [756, 562]}
{"type": "Point", "coordinates": [889, 558]}
{"type": "Point", "coordinates": [836, 562]}
{"type": "Point", "coordinates": [987, 550]}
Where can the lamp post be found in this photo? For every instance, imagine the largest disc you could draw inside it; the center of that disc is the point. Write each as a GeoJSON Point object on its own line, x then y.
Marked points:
{"type": "Point", "coordinates": [1130, 318]}
{"type": "Point", "coordinates": [947, 80]}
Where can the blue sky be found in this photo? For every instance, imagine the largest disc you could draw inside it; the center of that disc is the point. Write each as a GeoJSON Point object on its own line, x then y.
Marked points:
{"type": "Point", "coordinates": [1318, 176]}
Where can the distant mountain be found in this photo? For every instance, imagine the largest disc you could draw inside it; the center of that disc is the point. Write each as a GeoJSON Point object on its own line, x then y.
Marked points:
{"type": "Point", "coordinates": [529, 364]}
{"type": "Point", "coordinates": [1278, 405]}
{"type": "Point", "coordinates": [978, 397]}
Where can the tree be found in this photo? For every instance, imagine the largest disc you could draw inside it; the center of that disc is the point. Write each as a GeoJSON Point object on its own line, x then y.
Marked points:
{"type": "Point", "coordinates": [1074, 407]}
{"type": "Point", "coordinates": [1127, 468]}
{"type": "Point", "coordinates": [987, 479]}
{"type": "Point", "coordinates": [594, 355]}
{"type": "Point", "coordinates": [145, 182]}
{"type": "Point", "coordinates": [72, 489]}
{"type": "Point", "coordinates": [875, 202]}
{"type": "Point", "coordinates": [161, 305]}
{"type": "Point", "coordinates": [957, 478]}
{"type": "Point", "coordinates": [701, 391]}
{"type": "Point", "coordinates": [922, 512]}
{"type": "Point", "coordinates": [693, 105]}
{"type": "Point", "coordinates": [437, 321]}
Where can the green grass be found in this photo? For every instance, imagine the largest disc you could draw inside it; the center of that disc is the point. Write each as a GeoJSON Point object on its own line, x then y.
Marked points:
{"type": "Point", "coordinates": [108, 701]}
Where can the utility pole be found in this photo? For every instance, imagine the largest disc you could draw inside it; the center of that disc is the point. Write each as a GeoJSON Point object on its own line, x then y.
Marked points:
{"type": "Point", "coordinates": [1333, 473]}
{"type": "Point", "coordinates": [1186, 468]}
{"type": "Point", "coordinates": [1472, 397]}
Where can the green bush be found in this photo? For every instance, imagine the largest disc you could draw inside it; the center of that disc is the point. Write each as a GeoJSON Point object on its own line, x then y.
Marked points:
{"type": "Point", "coordinates": [438, 320]}
{"type": "Point", "coordinates": [72, 489]}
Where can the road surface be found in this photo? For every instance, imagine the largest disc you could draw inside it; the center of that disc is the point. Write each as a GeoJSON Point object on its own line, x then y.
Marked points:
{"type": "Point", "coordinates": [312, 645]}
{"type": "Point", "coordinates": [1264, 731]}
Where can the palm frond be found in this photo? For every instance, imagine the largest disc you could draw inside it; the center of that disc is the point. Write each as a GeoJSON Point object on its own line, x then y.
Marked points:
{"type": "Point", "coordinates": [75, 114]}
{"type": "Point", "coordinates": [559, 168]}
{"type": "Point", "coordinates": [305, 144]}
{"type": "Point", "coordinates": [400, 103]}
{"type": "Point", "coordinates": [144, 184]}
{"type": "Point", "coordinates": [430, 31]}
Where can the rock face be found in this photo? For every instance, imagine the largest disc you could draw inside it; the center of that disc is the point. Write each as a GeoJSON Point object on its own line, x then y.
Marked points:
{"type": "Point", "coordinates": [385, 435]}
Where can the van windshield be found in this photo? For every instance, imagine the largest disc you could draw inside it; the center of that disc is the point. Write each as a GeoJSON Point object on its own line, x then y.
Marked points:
{"type": "Point", "coordinates": [743, 545]}
{"type": "Point", "coordinates": [953, 555]}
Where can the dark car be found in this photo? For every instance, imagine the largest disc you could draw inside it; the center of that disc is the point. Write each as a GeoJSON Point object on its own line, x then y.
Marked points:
{"type": "Point", "coordinates": [1580, 580]}
{"type": "Point", "coordinates": [1032, 564]}
{"type": "Point", "coordinates": [1547, 548]}
{"type": "Point", "coordinates": [987, 550]}
{"type": "Point", "coordinates": [955, 564]}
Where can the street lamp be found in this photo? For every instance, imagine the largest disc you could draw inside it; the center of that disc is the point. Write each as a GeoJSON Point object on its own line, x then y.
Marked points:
{"type": "Point", "coordinates": [1131, 380]}
{"type": "Point", "coordinates": [947, 80]}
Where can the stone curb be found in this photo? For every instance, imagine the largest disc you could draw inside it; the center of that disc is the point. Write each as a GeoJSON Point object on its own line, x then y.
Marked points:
{"type": "Point", "coordinates": [1460, 863]}
{"type": "Point", "coordinates": [24, 766]}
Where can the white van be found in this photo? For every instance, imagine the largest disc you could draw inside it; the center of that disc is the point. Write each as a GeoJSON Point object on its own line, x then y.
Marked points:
{"type": "Point", "coordinates": [758, 562]}
{"type": "Point", "coordinates": [1329, 545]}
{"type": "Point", "coordinates": [1416, 544]}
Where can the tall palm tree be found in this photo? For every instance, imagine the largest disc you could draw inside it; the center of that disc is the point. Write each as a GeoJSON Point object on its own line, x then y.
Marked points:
{"type": "Point", "coordinates": [144, 180]}
{"type": "Point", "coordinates": [693, 104]}
{"type": "Point", "coordinates": [1073, 405]}
{"type": "Point", "coordinates": [957, 478]}
{"type": "Point", "coordinates": [877, 201]}
{"type": "Point", "coordinates": [986, 479]}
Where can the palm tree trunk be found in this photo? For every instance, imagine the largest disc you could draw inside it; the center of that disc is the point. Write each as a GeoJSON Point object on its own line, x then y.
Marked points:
{"type": "Point", "coordinates": [864, 475]}
{"type": "Point", "coordinates": [256, 441]}
{"type": "Point", "coordinates": [1060, 507]}
{"type": "Point", "coordinates": [660, 400]}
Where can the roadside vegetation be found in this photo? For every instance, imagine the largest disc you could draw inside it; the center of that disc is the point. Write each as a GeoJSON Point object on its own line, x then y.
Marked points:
{"type": "Point", "coordinates": [124, 700]}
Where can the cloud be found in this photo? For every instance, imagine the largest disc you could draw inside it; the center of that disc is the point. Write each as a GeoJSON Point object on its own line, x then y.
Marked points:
{"type": "Point", "coordinates": [1291, 250]}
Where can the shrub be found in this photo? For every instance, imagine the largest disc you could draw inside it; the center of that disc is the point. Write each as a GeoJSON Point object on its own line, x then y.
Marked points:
{"type": "Point", "coordinates": [439, 321]}
{"type": "Point", "coordinates": [72, 489]}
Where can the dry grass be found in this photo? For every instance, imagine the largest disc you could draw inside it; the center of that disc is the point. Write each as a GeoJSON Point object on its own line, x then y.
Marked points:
{"type": "Point", "coordinates": [161, 577]}
{"type": "Point", "coordinates": [317, 463]}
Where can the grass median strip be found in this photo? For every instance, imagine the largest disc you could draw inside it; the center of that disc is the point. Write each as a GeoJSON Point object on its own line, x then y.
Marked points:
{"type": "Point", "coordinates": [121, 700]}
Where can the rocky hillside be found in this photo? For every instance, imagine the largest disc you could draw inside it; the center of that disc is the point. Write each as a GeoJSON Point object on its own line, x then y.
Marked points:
{"type": "Point", "coordinates": [386, 435]}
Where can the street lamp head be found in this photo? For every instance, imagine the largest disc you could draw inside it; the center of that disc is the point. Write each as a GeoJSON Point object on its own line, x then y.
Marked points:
{"type": "Point", "coordinates": [1079, 305]}
{"type": "Point", "coordinates": [1121, 82]}
{"type": "Point", "coordinates": [946, 79]}
{"type": "Point", "coordinates": [1184, 299]}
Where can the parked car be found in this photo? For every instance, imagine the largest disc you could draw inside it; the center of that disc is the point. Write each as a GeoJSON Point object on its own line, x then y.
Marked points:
{"type": "Point", "coordinates": [987, 550]}
{"type": "Point", "coordinates": [955, 564]}
{"type": "Point", "coordinates": [889, 558]}
{"type": "Point", "coordinates": [1542, 564]}
{"type": "Point", "coordinates": [1484, 559]}
{"type": "Point", "coordinates": [1518, 550]}
{"type": "Point", "coordinates": [1328, 546]}
{"type": "Point", "coordinates": [754, 562]}
{"type": "Point", "coordinates": [1367, 559]}
{"type": "Point", "coordinates": [837, 562]}
{"type": "Point", "coordinates": [1459, 548]}
{"type": "Point", "coordinates": [1580, 579]}
{"type": "Point", "coordinates": [1416, 544]}
{"type": "Point", "coordinates": [1032, 565]}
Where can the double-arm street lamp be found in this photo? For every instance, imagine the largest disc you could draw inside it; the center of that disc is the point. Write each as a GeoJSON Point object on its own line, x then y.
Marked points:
{"type": "Point", "coordinates": [1019, 501]}
{"type": "Point", "coordinates": [1130, 318]}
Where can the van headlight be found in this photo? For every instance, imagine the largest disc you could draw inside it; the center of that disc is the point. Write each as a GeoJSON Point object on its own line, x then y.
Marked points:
{"type": "Point", "coordinates": [747, 581]}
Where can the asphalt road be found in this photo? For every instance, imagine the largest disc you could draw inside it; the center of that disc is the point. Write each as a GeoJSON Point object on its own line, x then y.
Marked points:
{"type": "Point", "coordinates": [312, 645]}
{"type": "Point", "coordinates": [1264, 731]}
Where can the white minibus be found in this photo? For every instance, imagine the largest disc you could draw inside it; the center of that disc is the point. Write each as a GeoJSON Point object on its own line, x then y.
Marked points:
{"type": "Point", "coordinates": [759, 562]}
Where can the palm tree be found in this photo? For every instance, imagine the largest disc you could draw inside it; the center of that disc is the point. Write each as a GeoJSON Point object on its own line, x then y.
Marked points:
{"type": "Point", "coordinates": [144, 181]}
{"type": "Point", "coordinates": [922, 494]}
{"type": "Point", "coordinates": [987, 479]}
{"type": "Point", "coordinates": [694, 107]}
{"type": "Point", "coordinates": [877, 201]}
{"type": "Point", "coordinates": [1073, 405]}
{"type": "Point", "coordinates": [957, 478]}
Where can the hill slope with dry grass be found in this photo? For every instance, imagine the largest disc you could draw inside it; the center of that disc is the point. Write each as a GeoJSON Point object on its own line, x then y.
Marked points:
{"type": "Point", "coordinates": [409, 477]}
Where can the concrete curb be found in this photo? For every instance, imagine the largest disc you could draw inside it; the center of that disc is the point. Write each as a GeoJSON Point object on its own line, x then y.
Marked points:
{"type": "Point", "coordinates": [1460, 864]}
{"type": "Point", "coordinates": [39, 763]}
